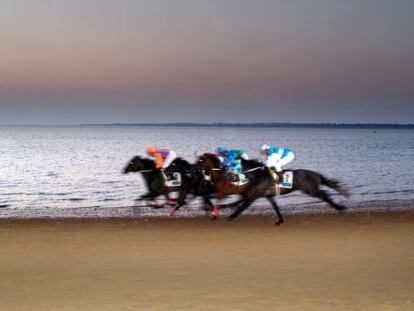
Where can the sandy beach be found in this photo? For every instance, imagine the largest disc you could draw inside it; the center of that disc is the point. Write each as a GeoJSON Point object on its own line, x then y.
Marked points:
{"type": "Point", "coordinates": [359, 261]}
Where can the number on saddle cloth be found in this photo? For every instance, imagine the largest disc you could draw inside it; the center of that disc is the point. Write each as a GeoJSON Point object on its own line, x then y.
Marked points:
{"type": "Point", "coordinates": [287, 180]}
{"type": "Point", "coordinates": [284, 179]}
{"type": "Point", "coordinates": [174, 181]}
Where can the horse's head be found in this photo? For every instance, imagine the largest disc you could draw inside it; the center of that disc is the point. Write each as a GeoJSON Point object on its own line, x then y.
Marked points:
{"type": "Point", "coordinates": [207, 161]}
{"type": "Point", "coordinates": [138, 164]}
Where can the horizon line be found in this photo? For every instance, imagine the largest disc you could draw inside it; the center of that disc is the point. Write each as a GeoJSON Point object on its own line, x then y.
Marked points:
{"type": "Point", "coordinates": [225, 125]}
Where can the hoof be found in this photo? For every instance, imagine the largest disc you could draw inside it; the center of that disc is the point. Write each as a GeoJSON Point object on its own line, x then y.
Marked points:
{"type": "Point", "coordinates": [230, 218]}
{"type": "Point", "coordinates": [342, 209]}
{"type": "Point", "coordinates": [278, 223]}
{"type": "Point", "coordinates": [214, 213]}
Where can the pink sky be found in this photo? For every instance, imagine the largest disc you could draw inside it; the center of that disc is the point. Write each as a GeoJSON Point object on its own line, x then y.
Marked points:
{"type": "Point", "coordinates": [319, 61]}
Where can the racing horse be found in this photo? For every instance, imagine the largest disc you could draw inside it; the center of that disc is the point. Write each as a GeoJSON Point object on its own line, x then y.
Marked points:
{"type": "Point", "coordinates": [261, 184]}
{"type": "Point", "coordinates": [155, 181]}
{"type": "Point", "coordinates": [222, 183]}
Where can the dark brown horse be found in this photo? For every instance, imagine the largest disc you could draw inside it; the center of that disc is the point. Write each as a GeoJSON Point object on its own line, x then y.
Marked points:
{"type": "Point", "coordinates": [223, 183]}
{"type": "Point", "coordinates": [193, 183]}
{"type": "Point", "coordinates": [155, 181]}
{"type": "Point", "coordinates": [261, 184]}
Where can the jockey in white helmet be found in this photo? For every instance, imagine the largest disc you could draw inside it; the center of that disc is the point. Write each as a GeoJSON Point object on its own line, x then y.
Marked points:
{"type": "Point", "coordinates": [276, 157]}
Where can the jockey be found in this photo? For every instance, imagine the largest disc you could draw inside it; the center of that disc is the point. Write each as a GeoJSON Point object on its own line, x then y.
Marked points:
{"type": "Point", "coordinates": [231, 159]}
{"type": "Point", "coordinates": [276, 156]}
{"type": "Point", "coordinates": [163, 157]}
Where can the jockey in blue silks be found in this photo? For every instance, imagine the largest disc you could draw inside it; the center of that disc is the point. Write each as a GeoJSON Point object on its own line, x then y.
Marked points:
{"type": "Point", "coordinates": [277, 157]}
{"type": "Point", "coordinates": [231, 159]}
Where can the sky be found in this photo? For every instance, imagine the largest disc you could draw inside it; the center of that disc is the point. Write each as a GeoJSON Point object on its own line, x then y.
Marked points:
{"type": "Point", "coordinates": [101, 61]}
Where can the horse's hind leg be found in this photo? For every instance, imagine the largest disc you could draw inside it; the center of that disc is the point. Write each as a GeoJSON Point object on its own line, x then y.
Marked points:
{"type": "Point", "coordinates": [276, 208]}
{"type": "Point", "coordinates": [323, 195]}
{"type": "Point", "coordinates": [240, 209]}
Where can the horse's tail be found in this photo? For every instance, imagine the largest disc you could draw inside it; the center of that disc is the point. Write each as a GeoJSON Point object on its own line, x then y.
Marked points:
{"type": "Point", "coordinates": [336, 185]}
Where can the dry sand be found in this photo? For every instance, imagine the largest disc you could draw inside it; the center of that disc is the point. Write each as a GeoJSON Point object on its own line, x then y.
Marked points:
{"type": "Point", "coordinates": [319, 262]}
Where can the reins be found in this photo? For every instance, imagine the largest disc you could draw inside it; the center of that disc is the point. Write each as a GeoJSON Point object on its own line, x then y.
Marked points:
{"type": "Point", "coordinates": [146, 171]}
{"type": "Point", "coordinates": [253, 169]}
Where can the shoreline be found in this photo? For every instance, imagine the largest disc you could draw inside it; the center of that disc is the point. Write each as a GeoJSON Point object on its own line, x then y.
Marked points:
{"type": "Point", "coordinates": [365, 217]}
{"type": "Point", "coordinates": [140, 211]}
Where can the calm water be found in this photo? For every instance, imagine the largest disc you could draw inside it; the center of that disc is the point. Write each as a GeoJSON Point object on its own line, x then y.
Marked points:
{"type": "Point", "coordinates": [68, 167]}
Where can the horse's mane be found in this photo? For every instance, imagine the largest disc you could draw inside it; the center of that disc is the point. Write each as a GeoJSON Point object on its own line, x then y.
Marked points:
{"type": "Point", "coordinates": [212, 156]}
{"type": "Point", "coordinates": [146, 161]}
{"type": "Point", "coordinates": [183, 164]}
{"type": "Point", "coordinates": [251, 163]}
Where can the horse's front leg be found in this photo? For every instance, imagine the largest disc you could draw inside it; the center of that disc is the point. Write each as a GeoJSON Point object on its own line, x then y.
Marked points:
{"type": "Point", "coordinates": [170, 202]}
{"type": "Point", "coordinates": [276, 208]}
{"type": "Point", "coordinates": [180, 202]}
{"type": "Point", "coordinates": [151, 196]}
{"type": "Point", "coordinates": [246, 203]}
{"type": "Point", "coordinates": [210, 207]}
{"type": "Point", "coordinates": [214, 208]}
{"type": "Point", "coordinates": [143, 197]}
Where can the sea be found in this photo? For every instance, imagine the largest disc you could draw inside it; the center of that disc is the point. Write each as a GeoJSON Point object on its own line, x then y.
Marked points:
{"type": "Point", "coordinates": [60, 168]}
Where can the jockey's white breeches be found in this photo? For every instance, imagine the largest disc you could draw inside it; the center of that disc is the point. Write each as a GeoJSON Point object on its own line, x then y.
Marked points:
{"type": "Point", "coordinates": [169, 159]}
{"type": "Point", "coordinates": [276, 162]}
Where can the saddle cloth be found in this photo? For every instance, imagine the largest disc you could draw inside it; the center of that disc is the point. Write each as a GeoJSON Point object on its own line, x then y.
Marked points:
{"type": "Point", "coordinates": [284, 180]}
{"type": "Point", "coordinates": [175, 181]}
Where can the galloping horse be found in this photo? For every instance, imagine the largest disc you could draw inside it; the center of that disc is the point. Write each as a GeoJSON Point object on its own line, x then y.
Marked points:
{"type": "Point", "coordinates": [307, 181]}
{"type": "Point", "coordinates": [261, 184]}
{"type": "Point", "coordinates": [155, 181]}
{"type": "Point", "coordinates": [221, 182]}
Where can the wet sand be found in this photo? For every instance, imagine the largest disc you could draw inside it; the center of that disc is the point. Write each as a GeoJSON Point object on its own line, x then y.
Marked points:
{"type": "Point", "coordinates": [361, 261]}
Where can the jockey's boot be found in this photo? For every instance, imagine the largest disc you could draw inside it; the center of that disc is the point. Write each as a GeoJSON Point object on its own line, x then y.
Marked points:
{"type": "Point", "coordinates": [274, 174]}
{"type": "Point", "coordinates": [234, 177]}
{"type": "Point", "coordinates": [164, 175]}
{"type": "Point", "coordinates": [280, 177]}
